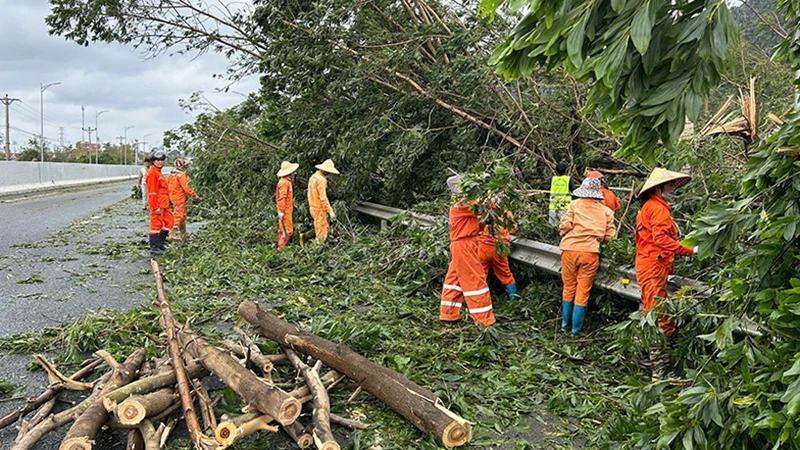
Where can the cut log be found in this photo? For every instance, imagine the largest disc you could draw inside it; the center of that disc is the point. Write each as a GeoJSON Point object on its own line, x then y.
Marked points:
{"type": "Point", "coordinates": [233, 429]}
{"type": "Point", "coordinates": [200, 440]}
{"type": "Point", "coordinates": [151, 384]}
{"type": "Point", "coordinates": [418, 405]}
{"type": "Point", "coordinates": [299, 434]}
{"type": "Point", "coordinates": [255, 360]}
{"type": "Point", "coordinates": [321, 416]}
{"type": "Point", "coordinates": [138, 407]}
{"type": "Point", "coordinates": [262, 396]}
{"type": "Point", "coordinates": [82, 433]}
{"type": "Point", "coordinates": [45, 396]}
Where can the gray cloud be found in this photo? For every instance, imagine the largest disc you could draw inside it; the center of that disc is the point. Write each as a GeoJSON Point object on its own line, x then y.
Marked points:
{"type": "Point", "coordinates": [138, 92]}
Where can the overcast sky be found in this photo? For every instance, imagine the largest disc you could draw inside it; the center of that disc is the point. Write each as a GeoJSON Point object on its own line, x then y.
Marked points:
{"type": "Point", "coordinates": [137, 92]}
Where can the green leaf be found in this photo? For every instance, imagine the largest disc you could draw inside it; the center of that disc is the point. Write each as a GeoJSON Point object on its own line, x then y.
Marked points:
{"type": "Point", "coordinates": [641, 28]}
{"type": "Point", "coordinates": [788, 232]}
{"type": "Point", "coordinates": [667, 91]}
{"type": "Point", "coordinates": [618, 5]}
{"type": "Point", "coordinates": [575, 42]}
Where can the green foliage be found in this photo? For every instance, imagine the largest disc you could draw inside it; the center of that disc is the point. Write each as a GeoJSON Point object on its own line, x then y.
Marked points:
{"type": "Point", "coordinates": [652, 62]}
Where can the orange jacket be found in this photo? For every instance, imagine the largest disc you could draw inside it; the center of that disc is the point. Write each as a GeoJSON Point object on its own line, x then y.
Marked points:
{"type": "Point", "coordinates": [179, 188]}
{"type": "Point", "coordinates": [157, 189]}
{"type": "Point", "coordinates": [657, 235]}
{"type": "Point", "coordinates": [585, 225]}
{"type": "Point", "coordinates": [485, 237]}
{"type": "Point", "coordinates": [610, 200]}
{"type": "Point", "coordinates": [317, 192]}
{"type": "Point", "coordinates": [462, 222]}
{"type": "Point", "coordinates": [284, 196]}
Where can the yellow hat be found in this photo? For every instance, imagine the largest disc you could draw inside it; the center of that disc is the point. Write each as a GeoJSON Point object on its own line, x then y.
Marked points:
{"type": "Point", "coordinates": [327, 166]}
{"type": "Point", "coordinates": [287, 168]}
{"type": "Point", "coordinates": [661, 176]}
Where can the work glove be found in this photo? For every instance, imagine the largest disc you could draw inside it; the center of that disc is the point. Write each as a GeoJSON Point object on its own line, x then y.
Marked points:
{"type": "Point", "coordinates": [333, 216]}
{"type": "Point", "coordinates": [280, 215]}
{"type": "Point", "coordinates": [695, 250]}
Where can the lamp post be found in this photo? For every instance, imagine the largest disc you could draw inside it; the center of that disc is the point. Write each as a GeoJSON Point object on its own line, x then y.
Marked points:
{"type": "Point", "coordinates": [144, 141]}
{"type": "Point", "coordinates": [135, 153]}
{"type": "Point", "coordinates": [97, 135]}
{"type": "Point", "coordinates": [42, 88]}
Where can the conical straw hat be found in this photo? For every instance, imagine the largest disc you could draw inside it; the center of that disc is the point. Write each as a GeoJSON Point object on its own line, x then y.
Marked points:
{"type": "Point", "coordinates": [661, 176]}
{"type": "Point", "coordinates": [327, 166]}
{"type": "Point", "coordinates": [287, 168]}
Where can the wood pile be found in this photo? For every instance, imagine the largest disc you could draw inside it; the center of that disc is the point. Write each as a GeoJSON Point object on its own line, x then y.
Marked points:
{"type": "Point", "coordinates": [149, 399]}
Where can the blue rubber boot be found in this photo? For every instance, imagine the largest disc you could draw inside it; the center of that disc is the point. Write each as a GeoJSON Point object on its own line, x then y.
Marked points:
{"type": "Point", "coordinates": [566, 311]}
{"type": "Point", "coordinates": [512, 292]}
{"type": "Point", "coordinates": [578, 314]}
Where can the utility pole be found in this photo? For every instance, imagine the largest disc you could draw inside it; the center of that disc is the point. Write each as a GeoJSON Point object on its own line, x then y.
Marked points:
{"type": "Point", "coordinates": [8, 101]}
{"type": "Point", "coordinates": [144, 142]}
{"type": "Point", "coordinates": [42, 88]}
{"type": "Point", "coordinates": [90, 130]}
{"type": "Point", "coordinates": [96, 134]}
{"type": "Point", "coordinates": [62, 137]}
{"type": "Point", "coordinates": [136, 152]}
{"type": "Point", "coordinates": [124, 159]}
{"type": "Point", "coordinates": [83, 124]}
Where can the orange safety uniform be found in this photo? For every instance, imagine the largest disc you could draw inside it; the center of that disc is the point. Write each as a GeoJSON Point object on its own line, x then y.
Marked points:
{"type": "Point", "coordinates": [178, 184]}
{"type": "Point", "coordinates": [656, 247]}
{"type": "Point", "coordinates": [158, 198]}
{"type": "Point", "coordinates": [465, 280]}
{"type": "Point", "coordinates": [284, 199]}
{"type": "Point", "coordinates": [318, 203]}
{"type": "Point", "coordinates": [610, 200]}
{"type": "Point", "coordinates": [585, 225]}
{"type": "Point", "coordinates": [490, 258]}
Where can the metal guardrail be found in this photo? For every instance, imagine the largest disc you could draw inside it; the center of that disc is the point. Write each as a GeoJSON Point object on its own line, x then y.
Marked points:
{"type": "Point", "coordinates": [618, 280]}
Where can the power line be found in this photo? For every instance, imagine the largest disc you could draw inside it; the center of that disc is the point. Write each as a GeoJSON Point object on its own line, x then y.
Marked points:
{"type": "Point", "coordinates": [47, 119]}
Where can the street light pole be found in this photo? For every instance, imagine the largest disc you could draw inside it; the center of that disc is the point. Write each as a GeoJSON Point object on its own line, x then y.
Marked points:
{"type": "Point", "coordinates": [97, 135]}
{"type": "Point", "coordinates": [136, 152]}
{"type": "Point", "coordinates": [43, 88]}
{"type": "Point", "coordinates": [144, 141]}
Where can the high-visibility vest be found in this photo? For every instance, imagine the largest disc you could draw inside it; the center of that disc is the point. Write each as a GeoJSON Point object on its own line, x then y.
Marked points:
{"type": "Point", "coordinates": [560, 197]}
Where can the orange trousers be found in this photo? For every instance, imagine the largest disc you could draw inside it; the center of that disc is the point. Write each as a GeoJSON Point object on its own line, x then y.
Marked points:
{"type": "Point", "coordinates": [652, 281]}
{"type": "Point", "coordinates": [498, 263]}
{"type": "Point", "coordinates": [286, 223]}
{"type": "Point", "coordinates": [165, 220]}
{"type": "Point", "coordinates": [320, 223]}
{"type": "Point", "coordinates": [577, 272]}
{"type": "Point", "coordinates": [179, 213]}
{"type": "Point", "coordinates": [465, 282]}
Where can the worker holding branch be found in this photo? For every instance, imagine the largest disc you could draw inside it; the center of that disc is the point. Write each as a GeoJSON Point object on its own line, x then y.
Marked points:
{"type": "Point", "coordinates": [656, 247]}
{"type": "Point", "coordinates": [586, 224]}
{"type": "Point", "coordinates": [318, 199]}
{"type": "Point", "coordinates": [491, 259]}
{"type": "Point", "coordinates": [284, 200]}
{"type": "Point", "coordinates": [465, 280]}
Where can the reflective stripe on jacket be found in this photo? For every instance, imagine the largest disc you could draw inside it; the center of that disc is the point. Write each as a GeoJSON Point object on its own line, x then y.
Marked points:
{"type": "Point", "coordinates": [560, 197]}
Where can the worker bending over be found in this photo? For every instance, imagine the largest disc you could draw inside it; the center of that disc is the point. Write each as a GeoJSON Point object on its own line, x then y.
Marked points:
{"type": "Point", "coordinates": [284, 200]}
{"type": "Point", "coordinates": [465, 279]}
{"type": "Point", "coordinates": [656, 247]}
{"type": "Point", "coordinates": [161, 219]}
{"type": "Point", "coordinates": [179, 191]}
{"type": "Point", "coordinates": [609, 199]}
{"type": "Point", "coordinates": [318, 199]}
{"type": "Point", "coordinates": [487, 253]}
{"type": "Point", "coordinates": [561, 185]}
{"type": "Point", "coordinates": [586, 224]}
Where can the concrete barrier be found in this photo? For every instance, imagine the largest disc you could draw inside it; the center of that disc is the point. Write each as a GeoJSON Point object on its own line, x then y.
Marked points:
{"type": "Point", "coordinates": [21, 177]}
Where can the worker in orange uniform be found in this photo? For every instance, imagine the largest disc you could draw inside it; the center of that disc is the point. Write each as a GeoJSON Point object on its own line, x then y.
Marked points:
{"type": "Point", "coordinates": [609, 199]}
{"type": "Point", "coordinates": [284, 199]}
{"type": "Point", "coordinates": [487, 245]}
{"type": "Point", "coordinates": [586, 224]}
{"type": "Point", "coordinates": [656, 247]}
{"type": "Point", "coordinates": [161, 219]}
{"type": "Point", "coordinates": [179, 190]}
{"type": "Point", "coordinates": [465, 280]}
{"type": "Point", "coordinates": [318, 199]}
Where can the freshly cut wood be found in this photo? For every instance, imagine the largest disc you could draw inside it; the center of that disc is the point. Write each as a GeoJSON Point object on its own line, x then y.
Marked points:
{"type": "Point", "coordinates": [82, 433]}
{"type": "Point", "coordinates": [299, 434]}
{"type": "Point", "coordinates": [256, 360]}
{"type": "Point", "coordinates": [151, 384]}
{"type": "Point", "coordinates": [47, 395]}
{"type": "Point", "coordinates": [321, 416]}
{"type": "Point", "coordinates": [262, 396]}
{"type": "Point", "coordinates": [200, 440]}
{"type": "Point", "coordinates": [417, 404]}
{"type": "Point", "coordinates": [234, 429]}
{"type": "Point", "coordinates": [138, 407]}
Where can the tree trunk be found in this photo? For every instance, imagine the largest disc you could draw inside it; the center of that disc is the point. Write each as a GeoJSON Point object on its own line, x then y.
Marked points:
{"type": "Point", "coordinates": [138, 407]}
{"type": "Point", "coordinates": [321, 416]}
{"type": "Point", "coordinates": [233, 429]}
{"type": "Point", "coordinates": [82, 433]}
{"type": "Point", "coordinates": [264, 397]}
{"type": "Point", "coordinates": [417, 404]}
